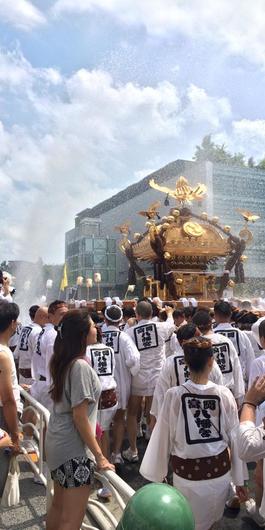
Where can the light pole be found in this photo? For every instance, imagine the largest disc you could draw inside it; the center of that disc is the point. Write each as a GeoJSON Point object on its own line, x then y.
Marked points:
{"type": "Point", "coordinates": [130, 289]}
{"type": "Point", "coordinates": [97, 280]}
{"type": "Point", "coordinates": [89, 284]}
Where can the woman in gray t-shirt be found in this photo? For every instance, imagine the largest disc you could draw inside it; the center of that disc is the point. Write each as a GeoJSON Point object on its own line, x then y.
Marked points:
{"type": "Point", "coordinates": [71, 446]}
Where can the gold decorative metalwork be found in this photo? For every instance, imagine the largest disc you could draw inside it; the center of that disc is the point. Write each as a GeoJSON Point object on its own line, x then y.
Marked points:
{"type": "Point", "coordinates": [152, 211]}
{"type": "Point", "coordinates": [123, 228]}
{"type": "Point", "coordinates": [183, 191]}
{"type": "Point", "coordinates": [193, 229]}
{"type": "Point", "coordinates": [248, 216]}
{"type": "Point", "coordinates": [246, 234]}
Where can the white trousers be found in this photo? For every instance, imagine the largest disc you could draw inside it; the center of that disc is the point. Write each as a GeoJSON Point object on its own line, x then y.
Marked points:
{"type": "Point", "coordinates": [206, 497]}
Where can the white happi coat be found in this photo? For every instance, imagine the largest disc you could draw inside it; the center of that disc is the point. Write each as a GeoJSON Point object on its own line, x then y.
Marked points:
{"type": "Point", "coordinates": [149, 338]}
{"type": "Point", "coordinates": [256, 348]}
{"type": "Point", "coordinates": [13, 341]}
{"type": "Point", "coordinates": [7, 298]}
{"type": "Point", "coordinates": [251, 447]}
{"type": "Point", "coordinates": [242, 345]}
{"type": "Point", "coordinates": [171, 344]}
{"type": "Point", "coordinates": [40, 365]}
{"type": "Point", "coordinates": [27, 344]}
{"type": "Point", "coordinates": [228, 361]}
{"type": "Point", "coordinates": [175, 372]}
{"type": "Point", "coordinates": [102, 360]}
{"type": "Point", "coordinates": [195, 422]}
{"type": "Point", "coordinates": [257, 369]}
{"type": "Point", "coordinates": [127, 361]}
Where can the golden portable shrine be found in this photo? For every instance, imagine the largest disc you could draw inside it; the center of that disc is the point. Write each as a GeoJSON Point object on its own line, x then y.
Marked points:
{"type": "Point", "coordinates": [182, 245]}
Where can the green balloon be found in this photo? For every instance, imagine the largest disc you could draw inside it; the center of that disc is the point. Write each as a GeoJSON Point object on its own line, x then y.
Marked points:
{"type": "Point", "coordinates": [157, 506]}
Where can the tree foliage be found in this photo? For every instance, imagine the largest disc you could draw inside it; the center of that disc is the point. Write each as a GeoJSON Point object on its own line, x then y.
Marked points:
{"type": "Point", "coordinates": [208, 150]}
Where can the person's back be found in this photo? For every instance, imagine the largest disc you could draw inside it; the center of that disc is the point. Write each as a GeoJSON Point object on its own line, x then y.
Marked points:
{"type": "Point", "coordinates": [196, 426]}
{"type": "Point", "coordinates": [240, 340]}
{"type": "Point", "coordinates": [225, 354]}
{"type": "Point", "coordinates": [175, 371]}
{"type": "Point", "coordinates": [43, 353]}
{"type": "Point", "coordinates": [26, 347]}
{"type": "Point", "coordinates": [127, 357]}
{"type": "Point", "coordinates": [149, 338]}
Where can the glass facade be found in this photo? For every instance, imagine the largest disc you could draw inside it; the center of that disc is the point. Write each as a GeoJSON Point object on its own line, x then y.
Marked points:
{"type": "Point", "coordinates": [90, 254]}
{"type": "Point", "coordinates": [236, 187]}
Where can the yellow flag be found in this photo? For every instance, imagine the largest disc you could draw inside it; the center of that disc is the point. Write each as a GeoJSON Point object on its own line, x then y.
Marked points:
{"type": "Point", "coordinates": [64, 282]}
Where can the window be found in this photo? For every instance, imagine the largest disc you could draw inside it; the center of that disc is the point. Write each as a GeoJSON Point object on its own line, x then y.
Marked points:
{"type": "Point", "coordinates": [88, 245]}
{"type": "Point", "coordinates": [73, 248]}
{"type": "Point", "coordinates": [88, 260]}
{"type": "Point", "coordinates": [89, 273]}
{"type": "Point", "coordinates": [100, 260]}
{"type": "Point", "coordinates": [112, 261]}
{"type": "Point", "coordinates": [73, 263]}
{"type": "Point", "coordinates": [112, 276]}
{"type": "Point", "coordinates": [111, 245]}
{"type": "Point", "coordinates": [100, 244]}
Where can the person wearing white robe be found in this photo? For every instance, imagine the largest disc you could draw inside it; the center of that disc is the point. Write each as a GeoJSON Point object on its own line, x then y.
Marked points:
{"type": "Point", "coordinates": [175, 371]}
{"type": "Point", "coordinates": [197, 421]}
{"type": "Point", "coordinates": [43, 353]}
{"type": "Point", "coordinates": [127, 359]}
{"type": "Point", "coordinates": [225, 355]}
{"type": "Point", "coordinates": [240, 340]}
{"type": "Point", "coordinates": [102, 360]}
{"type": "Point", "coordinates": [149, 338]}
{"type": "Point", "coordinates": [27, 344]}
{"type": "Point", "coordinates": [251, 446]}
{"type": "Point", "coordinates": [257, 369]}
{"type": "Point", "coordinates": [5, 287]}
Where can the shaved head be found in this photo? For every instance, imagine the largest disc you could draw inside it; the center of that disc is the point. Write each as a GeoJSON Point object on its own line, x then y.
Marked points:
{"type": "Point", "coordinates": [41, 316]}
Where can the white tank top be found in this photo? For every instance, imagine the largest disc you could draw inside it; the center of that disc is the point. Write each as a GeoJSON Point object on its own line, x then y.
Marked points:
{"type": "Point", "coordinates": [13, 377]}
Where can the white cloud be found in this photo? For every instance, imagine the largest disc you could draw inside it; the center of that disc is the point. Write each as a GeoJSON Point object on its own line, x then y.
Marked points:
{"type": "Point", "coordinates": [249, 136]}
{"type": "Point", "coordinates": [73, 141]}
{"type": "Point", "coordinates": [239, 25]}
{"type": "Point", "coordinates": [21, 13]}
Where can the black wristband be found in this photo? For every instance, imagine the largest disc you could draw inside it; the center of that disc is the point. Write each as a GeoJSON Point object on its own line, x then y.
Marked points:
{"type": "Point", "coordinates": [249, 403]}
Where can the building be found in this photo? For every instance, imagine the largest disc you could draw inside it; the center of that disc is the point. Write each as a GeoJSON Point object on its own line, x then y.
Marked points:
{"type": "Point", "coordinates": [92, 246]}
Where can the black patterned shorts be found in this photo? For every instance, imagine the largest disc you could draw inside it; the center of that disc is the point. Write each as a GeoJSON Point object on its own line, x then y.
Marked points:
{"type": "Point", "coordinates": [76, 472]}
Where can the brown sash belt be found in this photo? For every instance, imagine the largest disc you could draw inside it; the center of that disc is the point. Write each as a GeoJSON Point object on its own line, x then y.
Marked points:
{"type": "Point", "coordinates": [108, 399]}
{"type": "Point", "coordinates": [201, 468]}
{"type": "Point", "coordinates": [25, 372]}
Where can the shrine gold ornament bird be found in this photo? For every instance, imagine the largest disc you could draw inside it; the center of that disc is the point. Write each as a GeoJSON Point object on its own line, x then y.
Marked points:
{"type": "Point", "coordinates": [152, 211]}
{"type": "Point", "coordinates": [123, 228]}
{"type": "Point", "coordinates": [183, 191]}
{"type": "Point", "coordinates": [248, 216]}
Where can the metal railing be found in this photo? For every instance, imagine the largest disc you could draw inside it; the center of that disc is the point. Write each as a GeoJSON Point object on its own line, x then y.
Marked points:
{"type": "Point", "coordinates": [120, 490]}
{"type": "Point", "coordinates": [42, 415]}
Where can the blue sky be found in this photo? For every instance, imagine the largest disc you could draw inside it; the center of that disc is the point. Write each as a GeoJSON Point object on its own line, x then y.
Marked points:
{"type": "Point", "coordinates": [94, 94]}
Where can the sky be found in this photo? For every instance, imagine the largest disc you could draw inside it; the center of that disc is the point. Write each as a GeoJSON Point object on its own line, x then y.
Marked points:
{"type": "Point", "coordinates": [96, 94]}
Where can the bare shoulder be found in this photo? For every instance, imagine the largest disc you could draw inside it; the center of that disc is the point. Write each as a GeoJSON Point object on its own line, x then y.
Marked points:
{"type": "Point", "coordinates": [5, 363]}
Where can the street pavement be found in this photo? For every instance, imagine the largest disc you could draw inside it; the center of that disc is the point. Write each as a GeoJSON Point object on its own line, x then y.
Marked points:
{"type": "Point", "coordinates": [30, 513]}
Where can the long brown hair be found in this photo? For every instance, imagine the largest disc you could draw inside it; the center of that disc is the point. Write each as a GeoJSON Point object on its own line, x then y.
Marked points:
{"type": "Point", "coordinates": [70, 344]}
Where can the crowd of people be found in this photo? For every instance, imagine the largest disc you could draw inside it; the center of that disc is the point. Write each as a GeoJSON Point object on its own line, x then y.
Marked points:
{"type": "Point", "coordinates": [192, 380]}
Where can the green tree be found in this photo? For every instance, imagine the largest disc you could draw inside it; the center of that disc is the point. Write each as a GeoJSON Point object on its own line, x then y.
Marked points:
{"type": "Point", "coordinates": [261, 164]}
{"type": "Point", "coordinates": [4, 266]}
{"type": "Point", "coordinates": [208, 150]}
